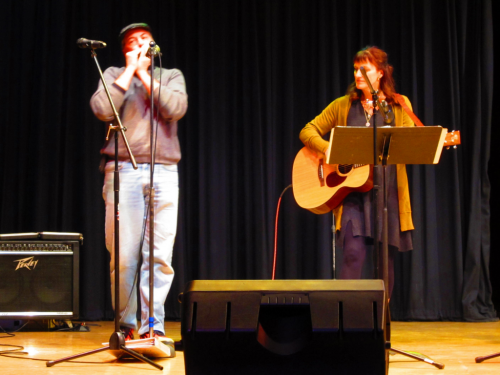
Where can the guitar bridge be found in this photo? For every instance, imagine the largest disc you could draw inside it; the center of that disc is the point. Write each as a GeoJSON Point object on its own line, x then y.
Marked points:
{"type": "Point", "coordinates": [321, 173]}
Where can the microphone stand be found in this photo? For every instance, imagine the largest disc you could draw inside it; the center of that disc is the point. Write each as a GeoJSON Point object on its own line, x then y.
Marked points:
{"type": "Point", "coordinates": [388, 118]}
{"type": "Point", "coordinates": [152, 53]}
{"type": "Point", "coordinates": [117, 339]}
{"type": "Point", "coordinates": [163, 349]}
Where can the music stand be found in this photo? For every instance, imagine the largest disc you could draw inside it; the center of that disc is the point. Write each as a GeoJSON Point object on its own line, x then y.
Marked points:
{"type": "Point", "coordinates": [394, 145]}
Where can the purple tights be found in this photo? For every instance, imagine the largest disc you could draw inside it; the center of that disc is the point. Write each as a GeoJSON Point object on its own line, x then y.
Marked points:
{"type": "Point", "coordinates": [355, 249]}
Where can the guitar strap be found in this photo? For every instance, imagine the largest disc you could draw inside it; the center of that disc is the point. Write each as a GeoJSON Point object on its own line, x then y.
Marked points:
{"type": "Point", "coordinates": [402, 103]}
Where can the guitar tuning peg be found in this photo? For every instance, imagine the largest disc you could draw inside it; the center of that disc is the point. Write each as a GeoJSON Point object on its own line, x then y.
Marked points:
{"type": "Point", "coordinates": [454, 147]}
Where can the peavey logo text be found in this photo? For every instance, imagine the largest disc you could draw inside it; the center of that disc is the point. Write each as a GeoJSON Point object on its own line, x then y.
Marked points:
{"type": "Point", "coordinates": [26, 263]}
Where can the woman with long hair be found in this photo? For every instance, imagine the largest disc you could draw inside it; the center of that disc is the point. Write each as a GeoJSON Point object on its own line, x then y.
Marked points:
{"type": "Point", "coordinates": [354, 216]}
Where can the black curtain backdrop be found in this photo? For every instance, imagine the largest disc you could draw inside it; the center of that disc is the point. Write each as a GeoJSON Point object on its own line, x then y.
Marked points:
{"type": "Point", "coordinates": [257, 71]}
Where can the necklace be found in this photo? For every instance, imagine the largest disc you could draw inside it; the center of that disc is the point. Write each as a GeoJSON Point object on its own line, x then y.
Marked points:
{"type": "Point", "coordinates": [368, 117]}
{"type": "Point", "coordinates": [367, 106]}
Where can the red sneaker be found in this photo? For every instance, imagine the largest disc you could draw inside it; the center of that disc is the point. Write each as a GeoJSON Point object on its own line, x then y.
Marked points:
{"type": "Point", "coordinates": [128, 333]}
{"type": "Point", "coordinates": [157, 334]}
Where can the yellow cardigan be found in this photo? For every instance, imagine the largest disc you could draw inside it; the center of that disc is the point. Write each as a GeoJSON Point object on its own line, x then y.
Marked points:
{"type": "Point", "coordinates": [336, 115]}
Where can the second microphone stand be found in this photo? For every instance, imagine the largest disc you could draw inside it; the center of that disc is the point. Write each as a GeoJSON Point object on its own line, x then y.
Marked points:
{"type": "Point", "coordinates": [153, 51]}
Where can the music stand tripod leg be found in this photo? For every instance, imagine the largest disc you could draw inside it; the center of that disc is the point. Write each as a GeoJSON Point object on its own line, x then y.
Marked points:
{"type": "Point", "coordinates": [418, 358]}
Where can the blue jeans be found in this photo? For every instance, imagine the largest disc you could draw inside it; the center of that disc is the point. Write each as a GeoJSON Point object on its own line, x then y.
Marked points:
{"type": "Point", "coordinates": [133, 200]}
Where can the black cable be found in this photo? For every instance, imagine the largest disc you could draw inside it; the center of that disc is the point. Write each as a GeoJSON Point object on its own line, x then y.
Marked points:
{"type": "Point", "coordinates": [11, 334]}
{"type": "Point", "coordinates": [13, 353]}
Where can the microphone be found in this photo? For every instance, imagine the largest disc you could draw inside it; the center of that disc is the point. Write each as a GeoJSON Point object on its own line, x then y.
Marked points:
{"type": "Point", "coordinates": [87, 43]}
{"type": "Point", "coordinates": [153, 50]}
{"type": "Point", "coordinates": [383, 106]}
{"type": "Point", "coordinates": [388, 114]}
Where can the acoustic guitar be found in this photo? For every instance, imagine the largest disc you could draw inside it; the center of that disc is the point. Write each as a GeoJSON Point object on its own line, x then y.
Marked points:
{"type": "Point", "coordinates": [320, 187]}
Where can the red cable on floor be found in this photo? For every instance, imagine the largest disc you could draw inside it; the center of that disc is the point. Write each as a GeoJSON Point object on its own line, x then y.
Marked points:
{"type": "Point", "coordinates": [276, 231]}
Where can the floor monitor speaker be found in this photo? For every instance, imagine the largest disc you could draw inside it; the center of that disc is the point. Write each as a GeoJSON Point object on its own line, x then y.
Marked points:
{"type": "Point", "coordinates": [262, 327]}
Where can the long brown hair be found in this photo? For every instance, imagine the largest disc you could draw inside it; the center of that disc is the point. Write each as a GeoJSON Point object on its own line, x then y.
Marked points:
{"type": "Point", "coordinates": [378, 58]}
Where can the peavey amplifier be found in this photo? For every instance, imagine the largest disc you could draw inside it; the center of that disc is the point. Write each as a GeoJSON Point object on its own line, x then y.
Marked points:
{"type": "Point", "coordinates": [39, 275]}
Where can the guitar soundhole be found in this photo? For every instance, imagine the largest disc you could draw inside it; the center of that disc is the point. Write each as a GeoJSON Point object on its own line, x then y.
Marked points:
{"type": "Point", "coordinates": [333, 179]}
{"type": "Point", "coordinates": [345, 168]}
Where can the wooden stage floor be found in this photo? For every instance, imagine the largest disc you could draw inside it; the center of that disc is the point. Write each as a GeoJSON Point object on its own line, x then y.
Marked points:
{"type": "Point", "coordinates": [454, 344]}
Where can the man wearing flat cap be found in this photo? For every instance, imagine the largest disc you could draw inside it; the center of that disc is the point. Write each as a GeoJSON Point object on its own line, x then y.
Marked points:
{"type": "Point", "coordinates": [130, 89]}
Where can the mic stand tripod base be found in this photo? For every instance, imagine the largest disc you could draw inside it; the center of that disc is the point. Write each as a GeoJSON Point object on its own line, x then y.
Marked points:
{"type": "Point", "coordinates": [151, 348]}
{"type": "Point", "coordinates": [117, 344]}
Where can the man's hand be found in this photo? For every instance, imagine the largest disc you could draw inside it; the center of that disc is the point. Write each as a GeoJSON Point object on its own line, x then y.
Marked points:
{"type": "Point", "coordinates": [142, 71]}
{"type": "Point", "coordinates": [131, 63]}
{"type": "Point", "coordinates": [132, 59]}
{"type": "Point", "coordinates": [143, 61]}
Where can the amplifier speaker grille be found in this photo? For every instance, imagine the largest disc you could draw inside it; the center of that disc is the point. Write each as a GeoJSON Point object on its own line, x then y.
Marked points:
{"type": "Point", "coordinates": [39, 279]}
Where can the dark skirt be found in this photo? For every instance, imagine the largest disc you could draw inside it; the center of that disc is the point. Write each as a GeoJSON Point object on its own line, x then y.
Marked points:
{"type": "Point", "coordinates": [358, 209]}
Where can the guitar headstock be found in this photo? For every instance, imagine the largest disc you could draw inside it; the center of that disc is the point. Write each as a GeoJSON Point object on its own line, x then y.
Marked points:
{"type": "Point", "coordinates": [452, 139]}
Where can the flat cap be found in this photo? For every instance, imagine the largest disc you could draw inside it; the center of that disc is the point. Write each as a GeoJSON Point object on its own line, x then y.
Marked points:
{"type": "Point", "coordinates": [133, 26]}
